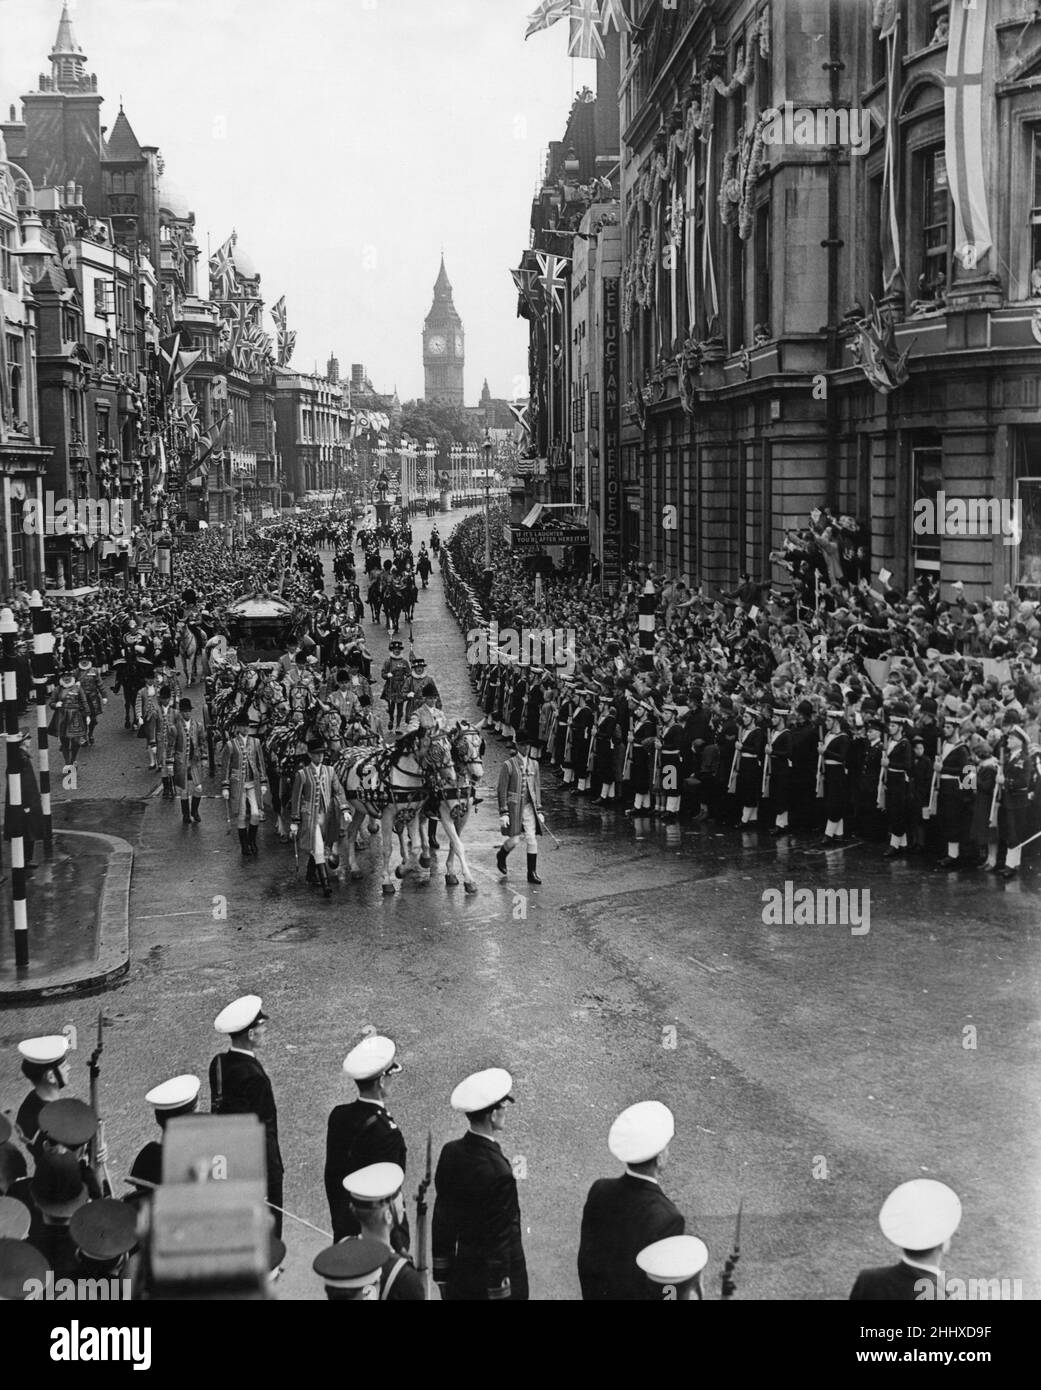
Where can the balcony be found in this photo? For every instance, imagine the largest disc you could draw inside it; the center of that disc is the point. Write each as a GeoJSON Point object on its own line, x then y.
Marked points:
{"type": "Point", "coordinates": [198, 315]}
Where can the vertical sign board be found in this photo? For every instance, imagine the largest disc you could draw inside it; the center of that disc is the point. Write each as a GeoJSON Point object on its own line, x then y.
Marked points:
{"type": "Point", "coordinates": [611, 509]}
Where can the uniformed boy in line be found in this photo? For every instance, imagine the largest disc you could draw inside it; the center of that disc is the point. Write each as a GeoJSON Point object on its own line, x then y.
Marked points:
{"type": "Point", "coordinates": [363, 1133]}
{"type": "Point", "coordinates": [351, 1270]}
{"type": "Point", "coordinates": [44, 1064]}
{"type": "Point", "coordinates": [19, 1265]}
{"type": "Point", "coordinates": [68, 1126]}
{"type": "Point", "coordinates": [104, 1234]}
{"type": "Point", "coordinates": [239, 1085]}
{"type": "Point", "coordinates": [170, 1101]}
{"type": "Point", "coordinates": [476, 1240]}
{"type": "Point", "coordinates": [673, 1269]}
{"type": "Point", "coordinates": [624, 1215]}
{"type": "Point", "coordinates": [919, 1218]}
{"type": "Point", "coordinates": [376, 1199]}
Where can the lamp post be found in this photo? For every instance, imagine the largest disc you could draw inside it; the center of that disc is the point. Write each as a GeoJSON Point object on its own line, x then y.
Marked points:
{"type": "Point", "coordinates": [488, 449]}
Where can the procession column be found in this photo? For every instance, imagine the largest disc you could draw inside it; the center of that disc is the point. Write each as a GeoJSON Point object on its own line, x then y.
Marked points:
{"type": "Point", "coordinates": [9, 633]}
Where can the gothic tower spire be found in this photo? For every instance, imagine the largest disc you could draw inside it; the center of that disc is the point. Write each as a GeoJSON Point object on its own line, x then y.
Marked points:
{"type": "Point", "coordinates": [68, 61]}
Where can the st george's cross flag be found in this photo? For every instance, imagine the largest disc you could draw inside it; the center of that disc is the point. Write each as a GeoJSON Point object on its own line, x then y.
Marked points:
{"type": "Point", "coordinates": [549, 12]}
{"type": "Point", "coordinates": [612, 14]}
{"type": "Point", "coordinates": [963, 101]}
{"type": "Point", "coordinates": [586, 38]}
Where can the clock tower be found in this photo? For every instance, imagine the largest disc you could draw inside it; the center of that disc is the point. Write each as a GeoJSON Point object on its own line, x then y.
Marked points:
{"type": "Point", "coordinates": [444, 347]}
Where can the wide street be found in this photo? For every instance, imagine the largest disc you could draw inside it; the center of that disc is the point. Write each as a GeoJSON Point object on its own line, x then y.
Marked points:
{"type": "Point", "coordinates": [810, 1068]}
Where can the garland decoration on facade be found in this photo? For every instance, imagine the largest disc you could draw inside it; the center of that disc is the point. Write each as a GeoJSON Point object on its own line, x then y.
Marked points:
{"type": "Point", "coordinates": [762, 28]}
{"type": "Point", "coordinates": [739, 79]}
{"type": "Point", "coordinates": [729, 189]}
{"type": "Point", "coordinates": [752, 162]}
{"type": "Point", "coordinates": [677, 217]}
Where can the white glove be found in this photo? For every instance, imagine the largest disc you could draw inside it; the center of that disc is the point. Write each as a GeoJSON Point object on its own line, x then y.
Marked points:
{"type": "Point", "coordinates": [226, 794]}
{"type": "Point", "coordinates": [294, 831]}
{"type": "Point", "coordinates": [504, 821]}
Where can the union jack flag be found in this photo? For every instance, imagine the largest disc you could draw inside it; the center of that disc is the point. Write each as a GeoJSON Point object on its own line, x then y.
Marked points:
{"type": "Point", "coordinates": [613, 12]}
{"type": "Point", "coordinates": [547, 13]}
{"type": "Point", "coordinates": [222, 269]}
{"type": "Point", "coordinates": [586, 39]}
{"type": "Point", "coordinates": [552, 277]}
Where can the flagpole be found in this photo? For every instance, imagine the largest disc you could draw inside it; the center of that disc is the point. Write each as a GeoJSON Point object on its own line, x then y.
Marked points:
{"type": "Point", "coordinates": [552, 384]}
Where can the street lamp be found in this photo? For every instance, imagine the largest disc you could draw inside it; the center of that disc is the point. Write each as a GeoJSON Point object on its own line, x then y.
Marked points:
{"type": "Point", "coordinates": [34, 253]}
{"type": "Point", "coordinates": [488, 449]}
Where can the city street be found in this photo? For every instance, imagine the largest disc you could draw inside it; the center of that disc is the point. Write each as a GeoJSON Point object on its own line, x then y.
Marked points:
{"type": "Point", "coordinates": [810, 1069]}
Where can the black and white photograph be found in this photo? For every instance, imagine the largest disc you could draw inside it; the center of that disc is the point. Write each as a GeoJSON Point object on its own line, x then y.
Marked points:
{"type": "Point", "coordinates": [520, 604]}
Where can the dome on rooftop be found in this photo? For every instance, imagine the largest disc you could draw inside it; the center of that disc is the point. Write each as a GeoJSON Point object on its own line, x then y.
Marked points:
{"type": "Point", "coordinates": [243, 263]}
{"type": "Point", "coordinates": [173, 201]}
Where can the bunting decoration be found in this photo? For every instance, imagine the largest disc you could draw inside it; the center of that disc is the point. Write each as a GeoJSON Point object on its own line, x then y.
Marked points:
{"type": "Point", "coordinates": [877, 354]}
{"type": "Point", "coordinates": [552, 278]}
{"type": "Point", "coordinates": [586, 37]}
{"type": "Point", "coordinates": [172, 364]}
{"type": "Point", "coordinates": [522, 414]}
{"type": "Point", "coordinates": [525, 280]}
{"type": "Point", "coordinates": [214, 440]}
{"type": "Point", "coordinates": [963, 101]}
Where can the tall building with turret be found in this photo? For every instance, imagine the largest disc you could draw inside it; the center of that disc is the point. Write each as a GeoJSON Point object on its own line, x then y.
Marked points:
{"type": "Point", "coordinates": [444, 346]}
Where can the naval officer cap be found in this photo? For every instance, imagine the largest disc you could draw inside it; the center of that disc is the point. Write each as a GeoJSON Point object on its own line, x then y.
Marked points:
{"type": "Point", "coordinates": [70, 1123]}
{"type": "Point", "coordinates": [104, 1230]}
{"type": "Point", "coordinates": [376, 1183]}
{"type": "Point", "coordinates": [642, 1132]}
{"type": "Point", "coordinates": [673, 1261]}
{"type": "Point", "coordinates": [18, 1264]}
{"type": "Point", "coordinates": [241, 1016]}
{"type": "Point", "coordinates": [45, 1052]}
{"type": "Point", "coordinates": [14, 1219]}
{"type": "Point", "coordinates": [483, 1091]}
{"type": "Point", "coordinates": [177, 1094]}
{"type": "Point", "coordinates": [352, 1264]}
{"type": "Point", "coordinates": [920, 1214]}
{"type": "Point", "coordinates": [371, 1058]}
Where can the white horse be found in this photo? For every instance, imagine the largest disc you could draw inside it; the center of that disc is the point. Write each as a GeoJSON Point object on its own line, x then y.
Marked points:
{"type": "Point", "coordinates": [392, 787]}
{"type": "Point", "coordinates": [188, 652]}
{"type": "Point", "coordinates": [454, 798]}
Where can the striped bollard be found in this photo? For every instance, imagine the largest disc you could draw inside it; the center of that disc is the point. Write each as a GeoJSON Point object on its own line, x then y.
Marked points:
{"type": "Point", "coordinates": [43, 679]}
{"type": "Point", "coordinates": [9, 633]}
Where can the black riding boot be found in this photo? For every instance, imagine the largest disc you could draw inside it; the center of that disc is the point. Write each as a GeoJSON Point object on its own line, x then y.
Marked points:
{"type": "Point", "coordinates": [253, 841]}
{"type": "Point", "coordinates": [196, 803]}
{"type": "Point", "coordinates": [244, 842]}
{"type": "Point", "coordinates": [533, 864]}
{"type": "Point", "coordinates": [312, 870]}
{"type": "Point", "coordinates": [323, 879]}
{"type": "Point", "coordinates": [186, 814]}
{"type": "Point", "coordinates": [500, 860]}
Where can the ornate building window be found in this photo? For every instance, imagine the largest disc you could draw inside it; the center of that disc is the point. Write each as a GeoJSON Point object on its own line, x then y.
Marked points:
{"type": "Point", "coordinates": [937, 233]}
{"type": "Point", "coordinates": [7, 272]}
{"type": "Point", "coordinates": [1035, 213]}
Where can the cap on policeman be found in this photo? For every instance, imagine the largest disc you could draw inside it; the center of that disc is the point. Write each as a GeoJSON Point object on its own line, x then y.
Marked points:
{"type": "Point", "coordinates": [177, 1094]}
{"type": "Point", "coordinates": [45, 1052]}
{"type": "Point", "coordinates": [14, 1219]}
{"type": "Point", "coordinates": [642, 1132]}
{"type": "Point", "coordinates": [105, 1229]}
{"type": "Point", "coordinates": [920, 1214]}
{"type": "Point", "coordinates": [377, 1183]}
{"type": "Point", "coordinates": [18, 1264]}
{"type": "Point", "coordinates": [673, 1261]}
{"type": "Point", "coordinates": [371, 1058]}
{"type": "Point", "coordinates": [352, 1264]}
{"type": "Point", "coordinates": [482, 1091]}
{"type": "Point", "coordinates": [71, 1123]}
{"type": "Point", "coordinates": [240, 1016]}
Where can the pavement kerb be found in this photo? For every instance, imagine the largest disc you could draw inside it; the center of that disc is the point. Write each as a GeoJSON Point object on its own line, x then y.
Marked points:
{"type": "Point", "coordinates": [113, 958]}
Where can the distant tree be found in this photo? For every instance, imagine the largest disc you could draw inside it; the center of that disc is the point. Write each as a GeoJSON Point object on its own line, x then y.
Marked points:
{"type": "Point", "coordinates": [448, 424]}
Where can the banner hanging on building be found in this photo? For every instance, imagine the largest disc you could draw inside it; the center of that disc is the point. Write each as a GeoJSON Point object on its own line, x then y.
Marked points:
{"type": "Point", "coordinates": [611, 463]}
{"type": "Point", "coordinates": [963, 97]}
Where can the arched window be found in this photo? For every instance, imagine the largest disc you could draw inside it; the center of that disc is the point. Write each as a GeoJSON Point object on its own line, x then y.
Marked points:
{"type": "Point", "coordinates": [16, 394]}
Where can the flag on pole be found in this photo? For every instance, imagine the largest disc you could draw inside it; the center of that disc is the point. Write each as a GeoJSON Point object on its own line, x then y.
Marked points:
{"type": "Point", "coordinates": [887, 17]}
{"type": "Point", "coordinates": [552, 277]}
{"type": "Point", "coordinates": [586, 38]}
{"type": "Point", "coordinates": [963, 100]}
{"type": "Point", "coordinates": [547, 14]}
{"type": "Point", "coordinates": [222, 269]}
{"type": "Point", "coordinates": [214, 438]}
{"type": "Point", "coordinates": [878, 354]}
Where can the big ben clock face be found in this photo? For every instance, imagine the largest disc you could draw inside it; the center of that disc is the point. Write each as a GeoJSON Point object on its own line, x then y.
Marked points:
{"type": "Point", "coordinates": [437, 345]}
{"type": "Point", "coordinates": [458, 346]}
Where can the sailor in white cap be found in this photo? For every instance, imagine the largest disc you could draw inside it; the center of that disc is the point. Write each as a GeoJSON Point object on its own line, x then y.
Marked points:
{"type": "Point", "coordinates": [239, 1085]}
{"type": "Point", "coordinates": [476, 1229]}
{"type": "Point", "coordinates": [44, 1064]}
{"type": "Point", "coordinates": [170, 1101]}
{"type": "Point", "coordinates": [364, 1133]}
{"type": "Point", "coordinates": [624, 1215]}
{"type": "Point", "coordinates": [673, 1267]}
{"type": "Point", "coordinates": [919, 1217]}
{"type": "Point", "coordinates": [375, 1195]}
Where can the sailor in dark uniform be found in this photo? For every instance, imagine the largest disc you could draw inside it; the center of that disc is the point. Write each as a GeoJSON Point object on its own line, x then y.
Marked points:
{"type": "Point", "coordinates": [476, 1229]}
{"type": "Point", "coordinates": [170, 1101]}
{"type": "Point", "coordinates": [44, 1064]}
{"type": "Point", "coordinates": [919, 1217]}
{"type": "Point", "coordinates": [949, 801]}
{"type": "Point", "coordinates": [673, 1268]}
{"type": "Point", "coordinates": [581, 741]}
{"type": "Point", "coordinates": [777, 766]}
{"type": "Point", "coordinates": [623, 1215]}
{"type": "Point", "coordinates": [351, 1270]}
{"type": "Point", "coordinates": [832, 776]}
{"type": "Point", "coordinates": [239, 1085]}
{"type": "Point", "coordinates": [897, 767]}
{"type": "Point", "coordinates": [672, 744]}
{"type": "Point", "coordinates": [363, 1133]}
{"type": "Point", "coordinates": [375, 1195]}
{"type": "Point", "coordinates": [746, 776]}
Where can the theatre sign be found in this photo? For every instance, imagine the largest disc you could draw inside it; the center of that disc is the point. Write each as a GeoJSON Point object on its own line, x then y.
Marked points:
{"type": "Point", "coordinates": [530, 542]}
